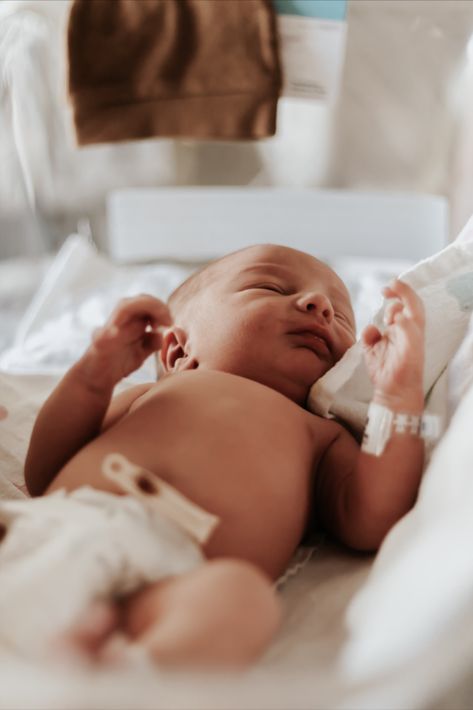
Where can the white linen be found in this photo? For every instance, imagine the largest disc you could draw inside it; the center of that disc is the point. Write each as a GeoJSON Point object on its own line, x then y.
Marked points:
{"type": "Point", "coordinates": [302, 668]}
{"type": "Point", "coordinates": [460, 371]}
{"type": "Point", "coordinates": [78, 293]}
{"type": "Point", "coordinates": [445, 284]}
{"type": "Point", "coordinates": [422, 579]}
{"type": "Point", "coordinates": [21, 396]}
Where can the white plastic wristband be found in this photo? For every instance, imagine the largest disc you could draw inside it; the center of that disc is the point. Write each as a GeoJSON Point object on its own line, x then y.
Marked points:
{"type": "Point", "coordinates": [382, 422]}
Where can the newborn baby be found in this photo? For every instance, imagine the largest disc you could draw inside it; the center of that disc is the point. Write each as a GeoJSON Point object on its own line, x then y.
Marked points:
{"type": "Point", "coordinates": [225, 430]}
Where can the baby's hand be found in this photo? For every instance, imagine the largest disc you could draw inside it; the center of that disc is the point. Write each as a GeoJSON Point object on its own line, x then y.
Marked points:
{"type": "Point", "coordinates": [125, 341]}
{"type": "Point", "coordinates": [395, 358]}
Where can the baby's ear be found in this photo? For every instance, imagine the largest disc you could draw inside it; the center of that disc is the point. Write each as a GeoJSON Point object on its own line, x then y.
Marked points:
{"type": "Point", "coordinates": [174, 354]}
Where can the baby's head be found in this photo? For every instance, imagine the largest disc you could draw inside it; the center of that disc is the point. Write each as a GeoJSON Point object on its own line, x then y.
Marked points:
{"type": "Point", "coordinates": [269, 313]}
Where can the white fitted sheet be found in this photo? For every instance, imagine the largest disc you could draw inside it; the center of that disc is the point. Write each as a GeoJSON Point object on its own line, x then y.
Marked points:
{"type": "Point", "coordinates": [303, 667]}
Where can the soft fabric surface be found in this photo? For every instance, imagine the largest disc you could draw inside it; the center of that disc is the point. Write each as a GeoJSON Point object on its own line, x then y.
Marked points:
{"type": "Point", "coordinates": [445, 284]}
{"type": "Point", "coordinates": [313, 662]}
{"type": "Point", "coordinates": [78, 293]}
{"type": "Point", "coordinates": [20, 399]}
{"type": "Point", "coordinates": [460, 371]}
{"type": "Point", "coordinates": [422, 578]}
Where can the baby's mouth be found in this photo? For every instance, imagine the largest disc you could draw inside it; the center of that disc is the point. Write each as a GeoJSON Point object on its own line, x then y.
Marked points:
{"type": "Point", "coordinates": [313, 342]}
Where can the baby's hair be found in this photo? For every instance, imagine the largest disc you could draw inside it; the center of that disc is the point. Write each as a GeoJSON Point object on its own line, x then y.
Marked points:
{"type": "Point", "coordinates": [192, 285]}
{"type": "Point", "coordinates": [188, 288]}
{"type": "Point", "coordinates": [183, 294]}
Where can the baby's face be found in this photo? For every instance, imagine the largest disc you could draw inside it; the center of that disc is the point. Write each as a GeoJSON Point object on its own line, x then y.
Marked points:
{"type": "Point", "coordinates": [274, 315]}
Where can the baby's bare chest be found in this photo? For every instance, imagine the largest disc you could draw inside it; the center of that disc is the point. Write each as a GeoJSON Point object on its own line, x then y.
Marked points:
{"type": "Point", "coordinates": [224, 428]}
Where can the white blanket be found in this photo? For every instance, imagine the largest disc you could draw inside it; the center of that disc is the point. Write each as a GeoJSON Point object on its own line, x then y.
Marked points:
{"type": "Point", "coordinates": [21, 396]}
{"type": "Point", "coordinates": [422, 579]}
{"type": "Point", "coordinates": [445, 284]}
{"type": "Point", "coordinates": [311, 663]}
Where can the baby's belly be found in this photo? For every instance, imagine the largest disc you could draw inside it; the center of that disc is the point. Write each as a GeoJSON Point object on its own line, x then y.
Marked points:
{"type": "Point", "coordinates": [236, 448]}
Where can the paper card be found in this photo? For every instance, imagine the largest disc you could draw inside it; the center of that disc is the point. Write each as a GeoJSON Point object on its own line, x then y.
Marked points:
{"type": "Point", "coordinates": [312, 44]}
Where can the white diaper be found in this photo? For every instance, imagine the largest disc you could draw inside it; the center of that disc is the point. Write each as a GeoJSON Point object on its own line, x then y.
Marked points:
{"type": "Point", "coordinates": [63, 551]}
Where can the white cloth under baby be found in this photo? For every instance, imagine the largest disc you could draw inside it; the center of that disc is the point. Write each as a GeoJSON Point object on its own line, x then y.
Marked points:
{"type": "Point", "coordinates": [444, 281]}
{"type": "Point", "coordinates": [62, 551]}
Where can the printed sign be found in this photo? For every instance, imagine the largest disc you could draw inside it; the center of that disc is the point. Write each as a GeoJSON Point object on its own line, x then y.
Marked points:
{"type": "Point", "coordinates": [312, 41]}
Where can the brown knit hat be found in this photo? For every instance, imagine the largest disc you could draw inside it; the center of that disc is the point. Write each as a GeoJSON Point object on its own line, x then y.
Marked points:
{"type": "Point", "coordinates": [204, 69]}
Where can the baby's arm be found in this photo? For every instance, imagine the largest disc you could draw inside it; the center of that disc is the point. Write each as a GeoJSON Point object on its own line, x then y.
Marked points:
{"type": "Point", "coordinates": [361, 496]}
{"type": "Point", "coordinates": [76, 410]}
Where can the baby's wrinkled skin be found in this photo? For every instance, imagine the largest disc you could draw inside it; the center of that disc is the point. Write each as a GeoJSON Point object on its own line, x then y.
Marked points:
{"type": "Point", "coordinates": [226, 424]}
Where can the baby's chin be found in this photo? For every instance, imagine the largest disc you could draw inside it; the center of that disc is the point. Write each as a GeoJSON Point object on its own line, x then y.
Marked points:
{"type": "Point", "coordinates": [317, 367]}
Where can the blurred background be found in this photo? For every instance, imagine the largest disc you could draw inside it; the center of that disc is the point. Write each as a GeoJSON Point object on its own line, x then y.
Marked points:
{"type": "Point", "coordinates": [402, 121]}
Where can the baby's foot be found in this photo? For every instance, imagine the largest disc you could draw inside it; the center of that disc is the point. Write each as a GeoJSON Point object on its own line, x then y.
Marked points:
{"type": "Point", "coordinates": [89, 636]}
{"type": "Point", "coordinates": [98, 638]}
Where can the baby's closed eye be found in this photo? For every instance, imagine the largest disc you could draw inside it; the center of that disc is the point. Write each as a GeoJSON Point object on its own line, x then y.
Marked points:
{"type": "Point", "coordinates": [272, 287]}
{"type": "Point", "coordinates": [268, 287]}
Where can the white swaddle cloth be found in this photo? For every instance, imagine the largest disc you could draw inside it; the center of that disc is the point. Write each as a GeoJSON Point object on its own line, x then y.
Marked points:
{"type": "Point", "coordinates": [62, 551]}
{"type": "Point", "coordinates": [445, 284]}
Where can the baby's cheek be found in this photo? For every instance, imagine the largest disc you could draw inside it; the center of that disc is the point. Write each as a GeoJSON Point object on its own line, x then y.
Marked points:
{"type": "Point", "coordinates": [347, 339]}
{"type": "Point", "coordinates": [250, 323]}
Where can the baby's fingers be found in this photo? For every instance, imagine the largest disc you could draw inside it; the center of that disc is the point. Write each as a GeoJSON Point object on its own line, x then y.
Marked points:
{"type": "Point", "coordinates": [127, 334]}
{"type": "Point", "coordinates": [143, 307]}
{"type": "Point", "coordinates": [151, 342]}
{"type": "Point", "coordinates": [412, 304]}
{"type": "Point", "coordinates": [370, 336]}
{"type": "Point", "coordinates": [393, 309]}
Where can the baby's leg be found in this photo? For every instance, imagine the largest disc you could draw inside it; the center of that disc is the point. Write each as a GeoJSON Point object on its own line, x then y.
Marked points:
{"type": "Point", "coordinates": [222, 614]}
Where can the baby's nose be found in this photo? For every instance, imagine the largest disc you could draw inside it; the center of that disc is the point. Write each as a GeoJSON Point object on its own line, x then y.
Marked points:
{"type": "Point", "coordinates": [318, 303]}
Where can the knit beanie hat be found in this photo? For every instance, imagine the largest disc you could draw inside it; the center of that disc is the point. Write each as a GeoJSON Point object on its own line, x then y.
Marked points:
{"type": "Point", "coordinates": [205, 69]}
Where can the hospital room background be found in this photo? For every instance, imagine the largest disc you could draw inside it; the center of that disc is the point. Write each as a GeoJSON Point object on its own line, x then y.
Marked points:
{"type": "Point", "coordinates": [352, 139]}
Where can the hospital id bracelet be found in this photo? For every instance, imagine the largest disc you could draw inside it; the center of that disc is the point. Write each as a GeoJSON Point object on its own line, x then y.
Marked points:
{"type": "Point", "coordinates": [382, 422]}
